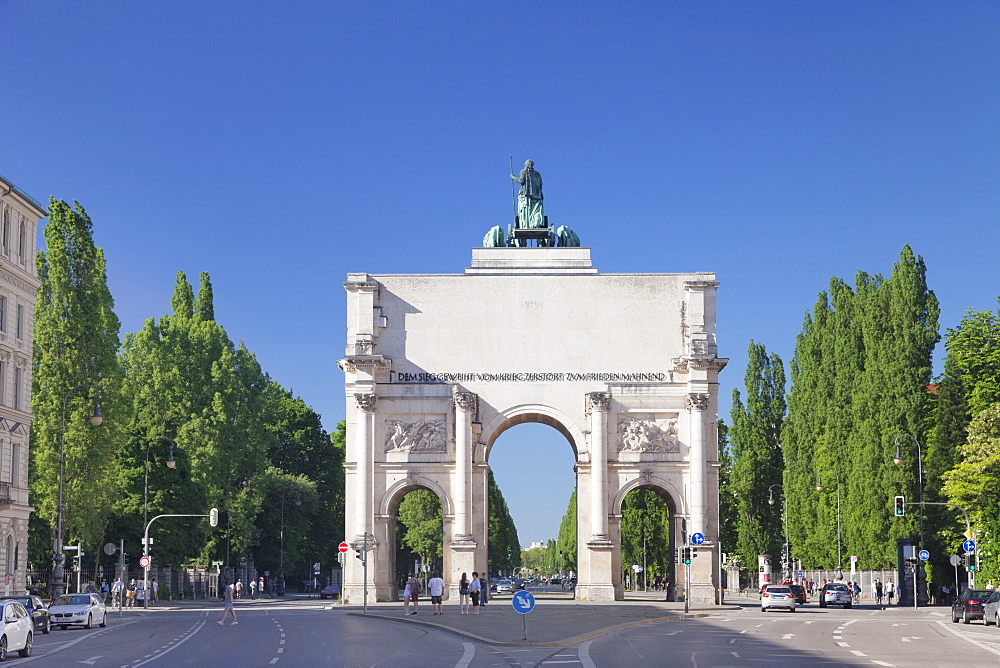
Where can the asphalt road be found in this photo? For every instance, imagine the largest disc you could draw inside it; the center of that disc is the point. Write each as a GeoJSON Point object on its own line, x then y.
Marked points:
{"type": "Point", "coordinates": [309, 633]}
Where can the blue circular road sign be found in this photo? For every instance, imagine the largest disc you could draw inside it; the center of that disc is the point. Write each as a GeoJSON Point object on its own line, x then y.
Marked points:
{"type": "Point", "coordinates": [523, 601]}
{"type": "Point", "coordinates": [969, 546]}
{"type": "Point", "coordinates": [924, 555]}
{"type": "Point", "coordinates": [697, 538]}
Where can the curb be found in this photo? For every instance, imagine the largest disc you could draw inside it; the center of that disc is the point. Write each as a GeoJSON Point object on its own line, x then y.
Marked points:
{"type": "Point", "coordinates": [528, 643]}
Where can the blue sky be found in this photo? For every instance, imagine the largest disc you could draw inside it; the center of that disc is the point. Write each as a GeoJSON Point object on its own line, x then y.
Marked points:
{"type": "Point", "coordinates": [279, 146]}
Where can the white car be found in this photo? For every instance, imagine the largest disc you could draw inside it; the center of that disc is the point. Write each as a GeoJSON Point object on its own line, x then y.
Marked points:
{"type": "Point", "coordinates": [504, 586]}
{"type": "Point", "coordinates": [17, 630]}
{"type": "Point", "coordinates": [78, 609]}
{"type": "Point", "coordinates": [777, 596]}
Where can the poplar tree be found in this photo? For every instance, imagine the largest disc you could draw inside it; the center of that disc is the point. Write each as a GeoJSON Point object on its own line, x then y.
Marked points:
{"type": "Point", "coordinates": [757, 458]}
{"type": "Point", "coordinates": [76, 341]}
{"type": "Point", "coordinates": [645, 533]}
{"type": "Point", "coordinates": [504, 546]}
{"type": "Point", "coordinates": [566, 540]}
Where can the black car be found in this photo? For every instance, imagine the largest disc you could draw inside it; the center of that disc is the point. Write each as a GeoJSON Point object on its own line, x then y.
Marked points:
{"type": "Point", "coordinates": [969, 605]}
{"type": "Point", "coordinates": [39, 613]}
{"type": "Point", "coordinates": [800, 593]}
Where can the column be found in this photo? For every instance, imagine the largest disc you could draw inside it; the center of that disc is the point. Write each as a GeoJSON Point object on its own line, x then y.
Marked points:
{"type": "Point", "coordinates": [365, 406]}
{"type": "Point", "coordinates": [599, 403]}
{"type": "Point", "coordinates": [697, 404]}
{"type": "Point", "coordinates": [465, 404]}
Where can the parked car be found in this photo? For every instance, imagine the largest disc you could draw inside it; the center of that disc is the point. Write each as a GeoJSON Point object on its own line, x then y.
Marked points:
{"type": "Point", "coordinates": [969, 605]}
{"type": "Point", "coordinates": [330, 591]}
{"type": "Point", "coordinates": [78, 610]}
{"type": "Point", "coordinates": [800, 593]}
{"type": "Point", "coordinates": [777, 596]}
{"type": "Point", "coordinates": [504, 586]}
{"type": "Point", "coordinates": [991, 608]}
{"type": "Point", "coordinates": [836, 593]}
{"type": "Point", "coordinates": [17, 630]}
{"type": "Point", "coordinates": [39, 613]}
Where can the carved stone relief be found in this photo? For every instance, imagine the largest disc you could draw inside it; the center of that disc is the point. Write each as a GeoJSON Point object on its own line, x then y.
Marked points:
{"type": "Point", "coordinates": [366, 402]}
{"type": "Point", "coordinates": [419, 436]}
{"type": "Point", "coordinates": [636, 435]}
{"type": "Point", "coordinates": [697, 402]}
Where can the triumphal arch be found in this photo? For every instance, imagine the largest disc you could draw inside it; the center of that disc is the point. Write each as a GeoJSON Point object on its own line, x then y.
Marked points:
{"type": "Point", "coordinates": [625, 366]}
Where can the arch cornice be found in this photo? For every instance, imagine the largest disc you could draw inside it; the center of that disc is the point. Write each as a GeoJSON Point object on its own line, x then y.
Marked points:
{"type": "Point", "coordinates": [398, 489]}
{"type": "Point", "coordinates": [539, 413]}
{"type": "Point", "coordinates": [649, 480]}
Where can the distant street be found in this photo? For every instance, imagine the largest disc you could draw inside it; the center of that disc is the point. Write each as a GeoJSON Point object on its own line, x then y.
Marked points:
{"type": "Point", "coordinates": [304, 633]}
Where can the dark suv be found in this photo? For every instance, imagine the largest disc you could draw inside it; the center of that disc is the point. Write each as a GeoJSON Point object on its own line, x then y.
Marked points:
{"type": "Point", "coordinates": [969, 605]}
{"type": "Point", "coordinates": [800, 593]}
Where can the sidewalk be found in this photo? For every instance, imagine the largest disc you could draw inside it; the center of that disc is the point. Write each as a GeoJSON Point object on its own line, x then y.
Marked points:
{"type": "Point", "coordinates": [552, 623]}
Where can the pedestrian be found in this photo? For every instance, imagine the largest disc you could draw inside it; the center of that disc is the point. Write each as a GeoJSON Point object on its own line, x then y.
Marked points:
{"type": "Point", "coordinates": [990, 585]}
{"type": "Point", "coordinates": [253, 586]}
{"type": "Point", "coordinates": [475, 588]}
{"type": "Point", "coordinates": [130, 594]}
{"type": "Point", "coordinates": [227, 604]}
{"type": "Point", "coordinates": [856, 589]}
{"type": "Point", "coordinates": [877, 586]}
{"type": "Point", "coordinates": [155, 592]}
{"type": "Point", "coordinates": [435, 587]}
{"type": "Point", "coordinates": [260, 585]}
{"type": "Point", "coordinates": [484, 588]}
{"type": "Point", "coordinates": [463, 594]}
{"type": "Point", "coordinates": [890, 591]}
{"type": "Point", "coordinates": [411, 592]}
{"type": "Point", "coordinates": [239, 589]}
{"type": "Point", "coordinates": [116, 592]}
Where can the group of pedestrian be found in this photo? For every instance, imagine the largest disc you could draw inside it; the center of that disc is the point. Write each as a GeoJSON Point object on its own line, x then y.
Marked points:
{"type": "Point", "coordinates": [472, 593]}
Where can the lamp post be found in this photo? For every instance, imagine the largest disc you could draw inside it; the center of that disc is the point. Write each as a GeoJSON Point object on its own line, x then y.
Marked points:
{"type": "Point", "coordinates": [820, 488]}
{"type": "Point", "coordinates": [145, 514]}
{"type": "Point", "coordinates": [58, 557]}
{"type": "Point", "coordinates": [898, 460]}
{"type": "Point", "coordinates": [786, 556]}
{"type": "Point", "coordinates": [281, 563]}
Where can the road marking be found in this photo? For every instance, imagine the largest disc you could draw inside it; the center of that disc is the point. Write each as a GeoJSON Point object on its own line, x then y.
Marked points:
{"type": "Point", "coordinates": [858, 653]}
{"type": "Point", "coordinates": [545, 663]}
{"type": "Point", "coordinates": [467, 655]}
{"type": "Point", "coordinates": [838, 637]}
{"type": "Point", "coordinates": [179, 643]}
{"type": "Point", "coordinates": [583, 651]}
{"type": "Point", "coordinates": [843, 644]}
{"type": "Point", "coordinates": [788, 636]}
{"type": "Point", "coordinates": [735, 654]}
{"type": "Point", "coordinates": [882, 663]}
{"type": "Point", "coordinates": [743, 631]}
{"type": "Point", "coordinates": [673, 633]}
{"type": "Point", "coordinates": [732, 640]}
{"type": "Point", "coordinates": [965, 637]}
{"type": "Point", "coordinates": [808, 622]}
{"type": "Point", "coordinates": [274, 660]}
{"type": "Point", "coordinates": [91, 661]}
{"type": "Point", "coordinates": [911, 638]}
{"type": "Point", "coordinates": [281, 642]}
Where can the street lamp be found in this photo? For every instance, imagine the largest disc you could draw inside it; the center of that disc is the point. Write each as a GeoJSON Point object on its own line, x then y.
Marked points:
{"type": "Point", "coordinates": [786, 557]}
{"type": "Point", "coordinates": [898, 460]}
{"type": "Point", "coordinates": [281, 564]}
{"type": "Point", "coordinates": [145, 513]}
{"type": "Point", "coordinates": [58, 557]}
{"type": "Point", "coordinates": [820, 488]}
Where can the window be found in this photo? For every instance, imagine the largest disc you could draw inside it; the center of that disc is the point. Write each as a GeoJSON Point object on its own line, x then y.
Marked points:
{"type": "Point", "coordinates": [3, 383]}
{"type": "Point", "coordinates": [5, 232]}
{"type": "Point", "coordinates": [17, 388]}
{"type": "Point", "coordinates": [9, 556]}
{"type": "Point", "coordinates": [19, 322]}
{"type": "Point", "coordinates": [3, 314]}
{"type": "Point", "coordinates": [20, 242]}
{"type": "Point", "coordinates": [15, 463]}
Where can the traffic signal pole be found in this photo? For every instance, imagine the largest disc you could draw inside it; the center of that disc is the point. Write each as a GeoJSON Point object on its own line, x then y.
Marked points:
{"type": "Point", "coordinates": [214, 521]}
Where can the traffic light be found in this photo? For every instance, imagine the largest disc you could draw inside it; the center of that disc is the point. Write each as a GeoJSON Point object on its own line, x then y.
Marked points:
{"type": "Point", "coordinates": [687, 555]}
{"type": "Point", "coordinates": [677, 556]}
{"type": "Point", "coordinates": [508, 553]}
{"type": "Point", "coordinates": [359, 553]}
{"type": "Point", "coordinates": [213, 517]}
{"type": "Point", "coordinates": [694, 552]}
{"type": "Point", "coordinates": [125, 554]}
{"type": "Point", "coordinates": [972, 565]}
{"type": "Point", "coordinates": [899, 506]}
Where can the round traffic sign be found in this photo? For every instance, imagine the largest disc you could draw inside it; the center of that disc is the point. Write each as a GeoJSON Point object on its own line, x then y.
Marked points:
{"type": "Point", "coordinates": [697, 538]}
{"type": "Point", "coordinates": [523, 601]}
{"type": "Point", "coordinates": [969, 545]}
{"type": "Point", "coordinates": [110, 548]}
{"type": "Point", "coordinates": [924, 555]}
{"type": "Point", "coordinates": [344, 547]}
{"type": "Point", "coordinates": [144, 562]}
{"type": "Point", "coordinates": [955, 560]}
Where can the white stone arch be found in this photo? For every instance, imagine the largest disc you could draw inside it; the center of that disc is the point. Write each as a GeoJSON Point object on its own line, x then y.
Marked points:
{"type": "Point", "coordinates": [536, 413]}
{"type": "Point", "coordinates": [647, 482]}
{"type": "Point", "coordinates": [390, 499]}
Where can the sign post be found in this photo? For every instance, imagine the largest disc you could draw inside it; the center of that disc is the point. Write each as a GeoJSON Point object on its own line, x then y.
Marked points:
{"type": "Point", "coordinates": [523, 602]}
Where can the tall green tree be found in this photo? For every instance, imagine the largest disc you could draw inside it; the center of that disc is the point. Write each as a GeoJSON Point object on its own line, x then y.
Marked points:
{"type": "Point", "coordinates": [728, 510]}
{"type": "Point", "coordinates": [76, 341]}
{"type": "Point", "coordinates": [645, 534]}
{"type": "Point", "coordinates": [567, 540]}
{"type": "Point", "coordinates": [419, 531]}
{"type": "Point", "coordinates": [505, 548]}
{"type": "Point", "coordinates": [757, 457]}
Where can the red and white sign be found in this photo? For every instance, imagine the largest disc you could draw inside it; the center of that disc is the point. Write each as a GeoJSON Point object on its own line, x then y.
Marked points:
{"type": "Point", "coordinates": [344, 547]}
{"type": "Point", "coordinates": [144, 562]}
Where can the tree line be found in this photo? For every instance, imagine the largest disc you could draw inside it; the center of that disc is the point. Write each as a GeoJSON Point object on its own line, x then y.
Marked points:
{"type": "Point", "coordinates": [862, 422]}
{"type": "Point", "coordinates": [181, 388]}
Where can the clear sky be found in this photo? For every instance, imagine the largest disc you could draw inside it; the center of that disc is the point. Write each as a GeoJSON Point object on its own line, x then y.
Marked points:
{"type": "Point", "coordinates": [280, 145]}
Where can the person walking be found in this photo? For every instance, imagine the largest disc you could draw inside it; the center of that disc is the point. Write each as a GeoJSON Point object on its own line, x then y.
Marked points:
{"type": "Point", "coordinates": [116, 592]}
{"type": "Point", "coordinates": [411, 592]}
{"type": "Point", "coordinates": [475, 588]}
{"type": "Point", "coordinates": [155, 593]}
{"type": "Point", "coordinates": [435, 587]}
{"type": "Point", "coordinates": [253, 587]}
{"type": "Point", "coordinates": [484, 589]}
{"type": "Point", "coordinates": [227, 604]}
{"type": "Point", "coordinates": [130, 594]}
{"type": "Point", "coordinates": [890, 591]}
{"type": "Point", "coordinates": [877, 586]}
{"type": "Point", "coordinates": [463, 594]}
{"type": "Point", "coordinates": [239, 588]}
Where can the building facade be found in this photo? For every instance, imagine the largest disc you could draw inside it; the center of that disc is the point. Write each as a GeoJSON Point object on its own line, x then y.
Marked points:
{"type": "Point", "coordinates": [19, 219]}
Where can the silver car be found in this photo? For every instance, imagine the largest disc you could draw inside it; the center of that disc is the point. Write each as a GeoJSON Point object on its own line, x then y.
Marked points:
{"type": "Point", "coordinates": [836, 593]}
{"type": "Point", "coordinates": [78, 609]}
{"type": "Point", "coordinates": [991, 609]}
{"type": "Point", "coordinates": [17, 630]}
{"type": "Point", "coordinates": [777, 596]}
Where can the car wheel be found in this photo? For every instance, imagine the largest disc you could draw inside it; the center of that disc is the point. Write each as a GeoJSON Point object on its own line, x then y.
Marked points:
{"type": "Point", "coordinates": [90, 623]}
{"type": "Point", "coordinates": [965, 617]}
{"type": "Point", "coordinates": [104, 620]}
{"type": "Point", "coordinates": [3, 648]}
{"type": "Point", "coordinates": [48, 626]}
{"type": "Point", "coordinates": [763, 609]}
{"type": "Point", "coordinates": [997, 620]}
{"type": "Point", "coordinates": [26, 652]}
{"type": "Point", "coordinates": [822, 604]}
{"type": "Point", "coordinates": [847, 606]}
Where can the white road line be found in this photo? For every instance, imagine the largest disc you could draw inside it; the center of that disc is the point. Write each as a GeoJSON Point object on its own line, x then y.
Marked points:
{"type": "Point", "coordinates": [965, 637]}
{"type": "Point", "coordinates": [467, 655]}
{"type": "Point", "coordinates": [584, 653]}
{"type": "Point", "coordinates": [735, 654]}
{"type": "Point", "coordinates": [843, 644]}
{"type": "Point", "coordinates": [856, 652]}
{"type": "Point", "coordinates": [274, 660]}
{"type": "Point", "coordinates": [161, 654]}
{"type": "Point", "coordinates": [882, 663]}
{"type": "Point", "coordinates": [732, 640]}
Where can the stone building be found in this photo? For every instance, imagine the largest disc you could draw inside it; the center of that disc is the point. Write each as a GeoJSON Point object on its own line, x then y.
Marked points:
{"type": "Point", "coordinates": [19, 218]}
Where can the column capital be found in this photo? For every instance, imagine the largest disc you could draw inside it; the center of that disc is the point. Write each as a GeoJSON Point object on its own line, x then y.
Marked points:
{"type": "Point", "coordinates": [598, 401]}
{"type": "Point", "coordinates": [464, 401]}
{"type": "Point", "coordinates": [366, 402]}
{"type": "Point", "coordinates": [697, 401]}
